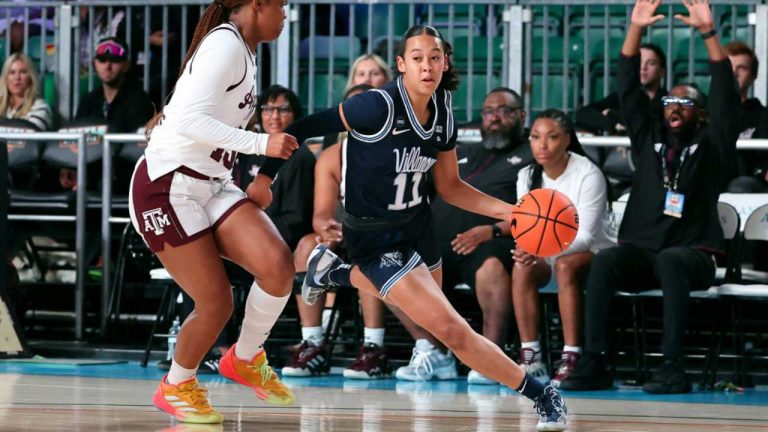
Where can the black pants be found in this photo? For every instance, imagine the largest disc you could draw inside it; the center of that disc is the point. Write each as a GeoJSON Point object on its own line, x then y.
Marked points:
{"type": "Point", "coordinates": [677, 270]}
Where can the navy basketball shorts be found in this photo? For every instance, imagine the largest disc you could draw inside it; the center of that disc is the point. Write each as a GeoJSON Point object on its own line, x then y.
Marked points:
{"type": "Point", "coordinates": [385, 270]}
{"type": "Point", "coordinates": [180, 206]}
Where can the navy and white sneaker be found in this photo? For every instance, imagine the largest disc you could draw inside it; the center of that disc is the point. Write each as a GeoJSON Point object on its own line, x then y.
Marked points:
{"type": "Point", "coordinates": [319, 265]}
{"type": "Point", "coordinates": [552, 411]}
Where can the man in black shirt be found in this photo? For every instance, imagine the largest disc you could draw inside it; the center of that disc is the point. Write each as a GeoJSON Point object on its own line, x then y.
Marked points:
{"type": "Point", "coordinates": [120, 100]}
{"type": "Point", "coordinates": [753, 122]}
{"type": "Point", "coordinates": [670, 228]}
{"type": "Point", "coordinates": [474, 250]}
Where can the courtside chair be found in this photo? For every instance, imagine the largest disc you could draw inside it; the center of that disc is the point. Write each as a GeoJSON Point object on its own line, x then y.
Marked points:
{"type": "Point", "coordinates": [738, 294]}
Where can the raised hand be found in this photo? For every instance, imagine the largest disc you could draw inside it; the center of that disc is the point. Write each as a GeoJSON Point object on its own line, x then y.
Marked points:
{"type": "Point", "coordinates": [281, 145]}
{"type": "Point", "coordinates": [644, 13]}
{"type": "Point", "coordinates": [699, 15]}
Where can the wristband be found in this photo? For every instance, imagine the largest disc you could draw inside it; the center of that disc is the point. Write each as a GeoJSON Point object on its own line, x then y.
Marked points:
{"type": "Point", "coordinates": [709, 34]}
{"type": "Point", "coordinates": [496, 231]}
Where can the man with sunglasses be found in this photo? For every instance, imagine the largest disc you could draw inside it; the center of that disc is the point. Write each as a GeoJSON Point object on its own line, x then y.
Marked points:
{"type": "Point", "coordinates": [120, 100]}
{"type": "Point", "coordinates": [475, 251]}
{"type": "Point", "coordinates": [670, 228]}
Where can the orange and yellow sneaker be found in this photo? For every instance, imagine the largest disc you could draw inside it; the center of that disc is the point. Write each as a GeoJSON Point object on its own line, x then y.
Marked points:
{"type": "Point", "coordinates": [187, 402]}
{"type": "Point", "coordinates": [258, 375]}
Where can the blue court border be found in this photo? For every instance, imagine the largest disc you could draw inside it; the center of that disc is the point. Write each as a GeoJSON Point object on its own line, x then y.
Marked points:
{"type": "Point", "coordinates": [132, 370]}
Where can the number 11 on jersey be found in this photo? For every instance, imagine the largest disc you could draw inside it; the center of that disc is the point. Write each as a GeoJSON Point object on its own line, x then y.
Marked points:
{"type": "Point", "coordinates": [401, 183]}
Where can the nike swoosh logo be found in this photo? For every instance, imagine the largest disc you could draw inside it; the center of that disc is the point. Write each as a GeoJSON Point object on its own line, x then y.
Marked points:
{"type": "Point", "coordinates": [463, 160]}
{"type": "Point", "coordinates": [399, 131]}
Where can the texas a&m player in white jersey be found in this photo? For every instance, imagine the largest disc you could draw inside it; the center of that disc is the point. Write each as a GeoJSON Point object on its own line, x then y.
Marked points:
{"type": "Point", "coordinates": [186, 207]}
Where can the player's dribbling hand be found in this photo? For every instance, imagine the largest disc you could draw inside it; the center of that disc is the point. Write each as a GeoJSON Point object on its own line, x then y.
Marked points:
{"type": "Point", "coordinates": [281, 145]}
{"type": "Point", "coordinates": [523, 258]}
{"type": "Point", "coordinates": [467, 242]}
{"type": "Point", "coordinates": [644, 13]}
{"type": "Point", "coordinates": [259, 191]}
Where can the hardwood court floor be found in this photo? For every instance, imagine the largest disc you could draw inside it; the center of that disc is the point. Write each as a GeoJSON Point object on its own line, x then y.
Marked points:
{"type": "Point", "coordinates": [118, 398]}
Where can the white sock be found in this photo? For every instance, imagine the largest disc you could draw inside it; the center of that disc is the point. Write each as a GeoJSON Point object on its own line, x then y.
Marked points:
{"type": "Point", "coordinates": [536, 347]}
{"type": "Point", "coordinates": [572, 348]}
{"type": "Point", "coordinates": [313, 335]}
{"type": "Point", "coordinates": [373, 335]}
{"type": "Point", "coordinates": [178, 373]}
{"type": "Point", "coordinates": [261, 313]}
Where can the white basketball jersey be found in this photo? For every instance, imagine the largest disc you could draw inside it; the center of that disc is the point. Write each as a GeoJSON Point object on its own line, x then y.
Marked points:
{"type": "Point", "coordinates": [203, 125]}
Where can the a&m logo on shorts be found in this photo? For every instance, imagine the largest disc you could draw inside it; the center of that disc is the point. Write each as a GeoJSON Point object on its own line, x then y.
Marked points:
{"type": "Point", "coordinates": [391, 259]}
{"type": "Point", "coordinates": [155, 220]}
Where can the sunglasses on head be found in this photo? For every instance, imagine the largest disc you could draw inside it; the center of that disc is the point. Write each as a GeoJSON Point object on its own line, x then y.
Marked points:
{"type": "Point", "coordinates": [110, 49]}
{"type": "Point", "coordinates": [684, 101]}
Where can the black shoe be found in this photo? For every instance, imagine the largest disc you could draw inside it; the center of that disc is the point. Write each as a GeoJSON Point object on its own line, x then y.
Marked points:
{"type": "Point", "coordinates": [553, 414]}
{"type": "Point", "coordinates": [210, 363]}
{"type": "Point", "coordinates": [669, 378]}
{"type": "Point", "coordinates": [590, 373]}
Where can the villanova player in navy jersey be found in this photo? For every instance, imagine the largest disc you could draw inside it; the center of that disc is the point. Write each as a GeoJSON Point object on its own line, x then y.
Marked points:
{"type": "Point", "coordinates": [396, 136]}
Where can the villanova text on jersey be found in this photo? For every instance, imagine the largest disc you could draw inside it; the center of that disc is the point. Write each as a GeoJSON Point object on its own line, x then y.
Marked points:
{"type": "Point", "coordinates": [409, 160]}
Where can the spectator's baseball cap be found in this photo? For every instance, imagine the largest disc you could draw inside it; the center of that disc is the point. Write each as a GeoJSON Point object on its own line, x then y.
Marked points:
{"type": "Point", "coordinates": [112, 48]}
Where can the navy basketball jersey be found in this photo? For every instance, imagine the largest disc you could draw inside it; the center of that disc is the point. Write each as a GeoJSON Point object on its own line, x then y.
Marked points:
{"type": "Point", "coordinates": [386, 160]}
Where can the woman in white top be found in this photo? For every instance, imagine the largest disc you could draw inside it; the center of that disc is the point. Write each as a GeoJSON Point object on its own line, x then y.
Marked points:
{"type": "Point", "coordinates": [560, 164]}
{"type": "Point", "coordinates": [190, 213]}
{"type": "Point", "coordinates": [19, 91]}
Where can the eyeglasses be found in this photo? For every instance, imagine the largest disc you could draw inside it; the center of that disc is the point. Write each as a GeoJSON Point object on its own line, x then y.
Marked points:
{"type": "Point", "coordinates": [110, 49]}
{"type": "Point", "coordinates": [281, 109]}
{"type": "Point", "coordinates": [684, 101]}
{"type": "Point", "coordinates": [502, 111]}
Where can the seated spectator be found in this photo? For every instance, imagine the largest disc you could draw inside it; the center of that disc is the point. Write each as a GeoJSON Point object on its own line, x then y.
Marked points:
{"type": "Point", "coordinates": [121, 100]}
{"type": "Point", "coordinates": [474, 249]}
{"type": "Point", "coordinates": [562, 165]}
{"type": "Point", "coordinates": [604, 117]}
{"type": "Point", "coordinates": [19, 91]}
{"type": "Point", "coordinates": [368, 69]}
{"type": "Point", "coordinates": [670, 227]}
{"type": "Point", "coordinates": [753, 122]}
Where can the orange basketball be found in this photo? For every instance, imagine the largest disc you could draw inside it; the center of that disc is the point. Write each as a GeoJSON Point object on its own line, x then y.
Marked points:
{"type": "Point", "coordinates": [544, 222]}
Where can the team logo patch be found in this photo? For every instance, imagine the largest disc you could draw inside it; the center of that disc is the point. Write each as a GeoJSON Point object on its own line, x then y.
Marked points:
{"type": "Point", "coordinates": [156, 221]}
{"type": "Point", "coordinates": [391, 259]}
{"type": "Point", "coordinates": [439, 129]}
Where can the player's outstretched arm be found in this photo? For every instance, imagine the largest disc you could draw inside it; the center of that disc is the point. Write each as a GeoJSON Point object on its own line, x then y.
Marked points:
{"type": "Point", "coordinates": [458, 193]}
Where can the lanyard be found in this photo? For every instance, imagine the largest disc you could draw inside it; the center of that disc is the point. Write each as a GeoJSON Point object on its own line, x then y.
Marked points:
{"type": "Point", "coordinates": [671, 184]}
